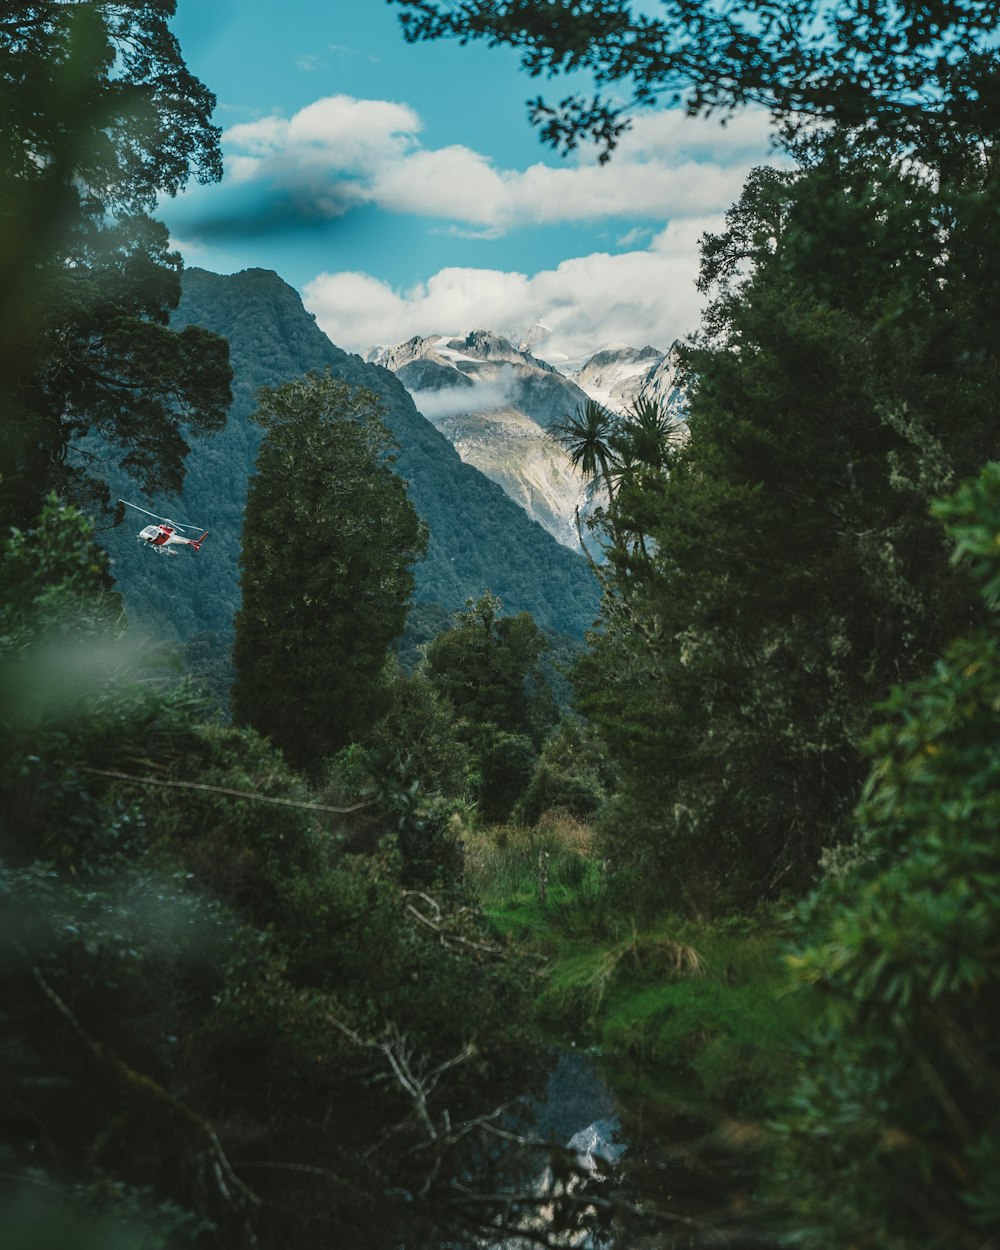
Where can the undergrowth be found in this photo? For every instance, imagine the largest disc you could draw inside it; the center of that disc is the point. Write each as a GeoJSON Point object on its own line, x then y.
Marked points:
{"type": "Point", "coordinates": [682, 1011]}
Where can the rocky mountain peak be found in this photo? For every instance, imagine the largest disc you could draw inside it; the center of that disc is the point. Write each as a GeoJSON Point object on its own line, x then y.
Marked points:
{"type": "Point", "coordinates": [496, 403]}
{"type": "Point", "coordinates": [487, 345]}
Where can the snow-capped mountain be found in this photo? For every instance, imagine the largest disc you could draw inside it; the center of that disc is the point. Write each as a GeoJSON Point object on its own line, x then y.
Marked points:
{"type": "Point", "coordinates": [620, 376]}
{"type": "Point", "coordinates": [496, 403]}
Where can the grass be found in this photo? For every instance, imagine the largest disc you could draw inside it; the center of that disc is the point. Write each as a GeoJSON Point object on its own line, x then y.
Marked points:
{"type": "Point", "coordinates": [675, 1004]}
{"type": "Point", "coordinates": [693, 1023]}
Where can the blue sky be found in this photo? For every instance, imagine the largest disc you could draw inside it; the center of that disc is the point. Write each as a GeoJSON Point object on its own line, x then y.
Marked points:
{"type": "Point", "coordinates": [402, 191]}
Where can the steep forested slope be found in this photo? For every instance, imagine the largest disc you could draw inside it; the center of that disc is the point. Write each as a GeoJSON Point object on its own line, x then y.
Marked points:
{"type": "Point", "coordinates": [478, 537]}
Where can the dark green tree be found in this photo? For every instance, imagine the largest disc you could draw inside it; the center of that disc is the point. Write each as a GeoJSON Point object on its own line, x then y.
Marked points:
{"type": "Point", "coordinates": [791, 571]}
{"type": "Point", "coordinates": [901, 940]}
{"type": "Point", "coordinates": [329, 538]}
{"type": "Point", "coordinates": [419, 728]}
{"type": "Point", "coordinates": [487, 667]}
{"type": "Point", "coordinates": [101, 116]}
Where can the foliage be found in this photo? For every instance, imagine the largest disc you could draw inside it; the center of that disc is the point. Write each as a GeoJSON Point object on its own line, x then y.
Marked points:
{"type": "Point", "coordinates": [54, 574]}
{"type": "Point", "coordinates": [506, 764]}
{"type": "Point", "coordinates": [903, 1082]}
{"type": "Point", "coordinates": [101, 117]}
{"type": "Point", "coordinates": [791, 571]}
{"type": "Point", "coordinates": [207, 1001]}
{"type": "Point", "coordinates": [487, 668]}
{"type": "Point", "coordinates": [920, 73]}
{"type": "Point", "coordinates": [419, 727]}
{"type": "Point", "coordinates": [627, 455]}
{"type": "Point", "coordinates": [572, 774]}
{"type": "Point", "coordinates": [329, 537]}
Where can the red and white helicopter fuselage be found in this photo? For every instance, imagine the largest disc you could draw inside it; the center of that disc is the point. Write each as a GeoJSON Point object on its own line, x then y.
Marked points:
{"type": "Point", "coordinates": [165, 534]}
{"type": "Point", "coordinates": [162, 537]}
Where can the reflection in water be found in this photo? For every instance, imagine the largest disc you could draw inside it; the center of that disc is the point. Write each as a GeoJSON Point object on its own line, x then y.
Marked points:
{"type": "Point", "coordinates": [578, 1115]}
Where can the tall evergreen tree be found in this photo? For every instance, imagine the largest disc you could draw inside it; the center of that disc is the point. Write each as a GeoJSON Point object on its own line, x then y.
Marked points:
{"type": "Point", "coordinates": [329, 538]}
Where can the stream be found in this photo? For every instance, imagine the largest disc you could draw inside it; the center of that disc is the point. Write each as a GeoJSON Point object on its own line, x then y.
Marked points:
{"type": "Point", "coordinates": [689, 1176]}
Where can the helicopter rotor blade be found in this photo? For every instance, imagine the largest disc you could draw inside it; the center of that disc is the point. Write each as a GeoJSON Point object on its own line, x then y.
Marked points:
{"type": "Point", "coordinates": [177, 526]}
{"type": "Point", "coordinates": [157, 517]}
{"type": "Point", "coordinates": [154, 515]}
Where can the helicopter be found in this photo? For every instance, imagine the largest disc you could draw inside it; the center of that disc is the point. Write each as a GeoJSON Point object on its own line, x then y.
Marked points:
{"type": "Point", "coordinates": [166, 534]}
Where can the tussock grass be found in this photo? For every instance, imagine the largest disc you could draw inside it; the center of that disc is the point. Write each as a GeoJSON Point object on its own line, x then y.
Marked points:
{"type": "Point", "coordinates": [682, 1011]}
{"type": "Point", "coordinates": [507, 865]}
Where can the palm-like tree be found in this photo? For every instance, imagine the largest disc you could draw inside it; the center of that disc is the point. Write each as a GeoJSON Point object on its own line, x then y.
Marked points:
{"type": "Point", "coordinates": [587, 437]}
{"type": "Point", "coordinates": [622, 452]}
{"type": "Point", "coordinates": [645, 436]}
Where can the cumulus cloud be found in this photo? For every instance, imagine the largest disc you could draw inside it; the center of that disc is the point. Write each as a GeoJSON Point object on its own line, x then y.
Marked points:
{"type": "Point", "coordinates": [340, 152]}
{"type": "Point", "coordinates": [455, 401]}
{"type": "Point", "coordinates": [636, 297]}
{"type": "Point", "coordinates": [327, 155]}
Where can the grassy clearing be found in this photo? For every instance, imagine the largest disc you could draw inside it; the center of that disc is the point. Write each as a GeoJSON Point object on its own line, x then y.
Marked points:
{"type": "Point", "coordinates": [680, 1012]}
{"type": "Point", "coordinates": [693, 1024]}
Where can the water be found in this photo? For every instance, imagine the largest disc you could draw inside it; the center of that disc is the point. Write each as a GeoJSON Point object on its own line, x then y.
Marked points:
{"type": "Point", "coordinates": [577, 1113]}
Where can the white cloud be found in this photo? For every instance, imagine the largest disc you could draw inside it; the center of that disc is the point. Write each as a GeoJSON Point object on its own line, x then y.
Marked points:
{"type": "Point", "coordinates": [636, 297]}
{"type": "Point", "coordinates": [454, 401]}
{"type": "Point", "coordinates": [340, 151]}
{"type": "Point", "coordinates": [327, 154]}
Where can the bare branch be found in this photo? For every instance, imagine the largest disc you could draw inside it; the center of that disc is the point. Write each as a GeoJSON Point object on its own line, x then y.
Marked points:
{"type": "Point", "coordinates": [227, 1183]}
{"type": "Point", "coordinates": [238, 794]}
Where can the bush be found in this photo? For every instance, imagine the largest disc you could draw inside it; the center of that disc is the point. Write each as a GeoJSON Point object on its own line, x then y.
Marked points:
{"type": "Point", "coordinates": [891, 1140]}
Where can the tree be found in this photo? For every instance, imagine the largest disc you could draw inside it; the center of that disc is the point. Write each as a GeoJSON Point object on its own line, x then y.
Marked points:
{"type": "Point", "coordinates": [626, 454]}
{"type": "Point", "coordinates": [487, 666]}
{"type": "Point", "coordinates": [101, 116]}
{"type": "Point", "coordinates": [901, 940]}
{"type": "Point", "coordinates": [792, 572]}
{"type": "Point", "coordinates": [419, 728]}
{"type": "Point", "coordinates": [586, 436]}
{"type": "Point", "coordinates": [922, 74]}
{"type": "Point", "coordinates": [329, 538]}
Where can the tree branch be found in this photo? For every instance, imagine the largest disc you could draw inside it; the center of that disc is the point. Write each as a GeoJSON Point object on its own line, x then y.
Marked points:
{"type": "Point", "coordinates": [239, 794]}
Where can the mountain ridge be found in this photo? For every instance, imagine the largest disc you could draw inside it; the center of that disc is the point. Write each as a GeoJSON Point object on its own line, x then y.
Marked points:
{"type": "Point", "coordinates": [479, 539]}
{"type": "Point", "coordinates": [498, 405]}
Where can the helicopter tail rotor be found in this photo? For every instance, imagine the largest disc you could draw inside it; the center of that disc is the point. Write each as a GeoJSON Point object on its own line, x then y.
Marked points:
{"type": "Point", "coordinates": [196, 542]}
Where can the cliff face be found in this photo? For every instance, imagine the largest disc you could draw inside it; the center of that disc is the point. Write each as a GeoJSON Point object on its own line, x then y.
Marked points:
{"type": "Point", "coordinates": [496, 404]}
{"type": "Point", "coordinates": [479, 538]}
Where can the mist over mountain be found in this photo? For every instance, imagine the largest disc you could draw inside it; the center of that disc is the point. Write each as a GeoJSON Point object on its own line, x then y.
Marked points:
{"type": "Point", "coordinates": [497, 403]}
{"type": "Point", "coordinates": [479, 538]}
{"type": "Point", "coordinates": [494, 403]}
